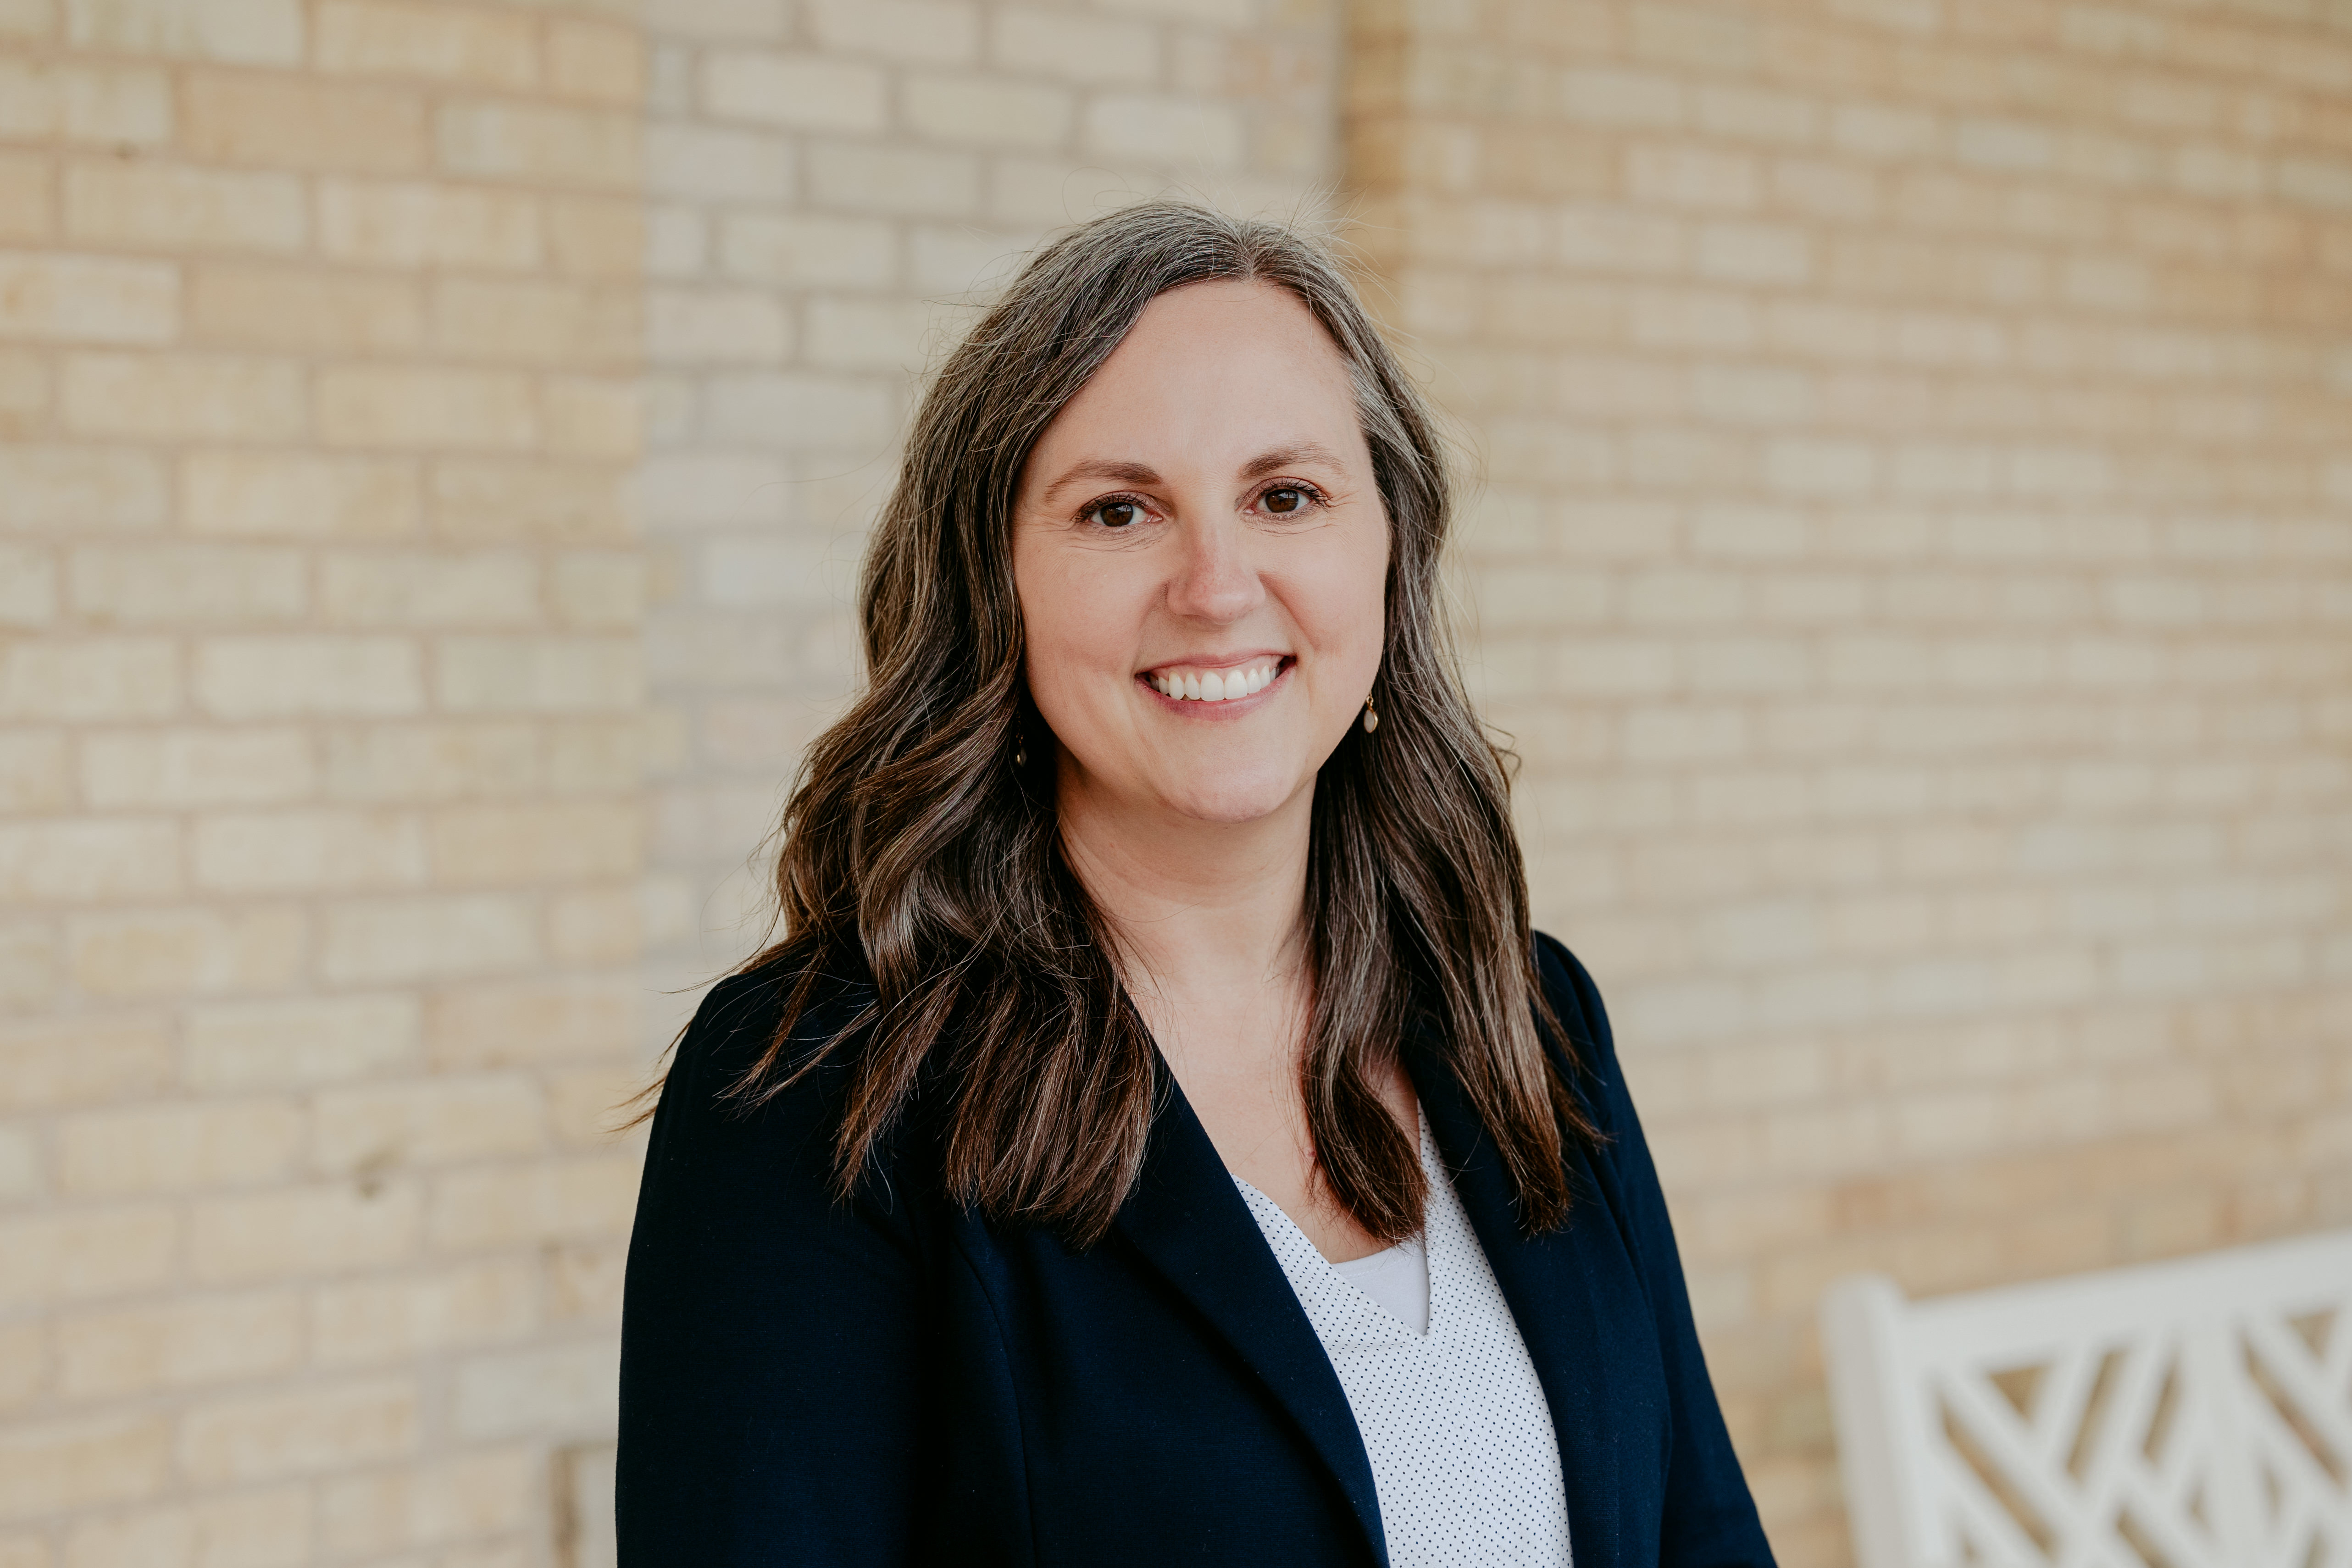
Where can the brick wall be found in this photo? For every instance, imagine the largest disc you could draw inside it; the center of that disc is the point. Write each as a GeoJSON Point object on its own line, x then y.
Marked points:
{"type": "Point", "coordinates": [1915, 558]}
{"type": "Point", "coordinates": [1916, 562]}
{"type": "Point", "coordinates": [832, 188]}
{"type": "Point", "coordinates": [319, 727]}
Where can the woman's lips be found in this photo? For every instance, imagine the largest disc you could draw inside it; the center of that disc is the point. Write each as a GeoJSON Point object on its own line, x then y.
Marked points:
{"type": "Point", "coordinates": [1189, 684]}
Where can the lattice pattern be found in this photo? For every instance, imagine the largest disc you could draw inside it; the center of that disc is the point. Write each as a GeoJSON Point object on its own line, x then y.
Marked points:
{"type": "Point", "coordinates": [2197, 1415]}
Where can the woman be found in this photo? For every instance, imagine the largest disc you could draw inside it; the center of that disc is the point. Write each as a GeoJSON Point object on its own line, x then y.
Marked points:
{"type": "Point", "coordinates": [1158, 1136]}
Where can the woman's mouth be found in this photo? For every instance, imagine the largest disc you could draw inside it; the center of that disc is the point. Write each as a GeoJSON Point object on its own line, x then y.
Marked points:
{"type": "Point", "coordinates": [1187, 683]}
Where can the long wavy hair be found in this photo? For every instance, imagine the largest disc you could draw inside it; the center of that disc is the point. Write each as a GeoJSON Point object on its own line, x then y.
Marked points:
{"type": "Point", "coordinates": [919, 855]}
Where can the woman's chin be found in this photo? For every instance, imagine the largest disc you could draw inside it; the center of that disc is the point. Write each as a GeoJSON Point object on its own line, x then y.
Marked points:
{"type": "Point", "coordinates": [1230, 801]}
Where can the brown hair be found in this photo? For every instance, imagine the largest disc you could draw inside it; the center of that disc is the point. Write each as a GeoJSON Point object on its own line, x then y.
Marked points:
{"type": "Point", "coordinates": [915, 852]}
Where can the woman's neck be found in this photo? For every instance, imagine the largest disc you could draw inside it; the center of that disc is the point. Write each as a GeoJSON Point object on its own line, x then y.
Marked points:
{"type": "Point", "coordinates": [1200, 907]}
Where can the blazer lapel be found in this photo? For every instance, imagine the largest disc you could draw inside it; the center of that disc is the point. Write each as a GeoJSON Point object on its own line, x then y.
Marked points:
{"type": "Point", "coordinates": [1188, 1218]}
{"type": "Point", "coordinates": [1551, 1288]}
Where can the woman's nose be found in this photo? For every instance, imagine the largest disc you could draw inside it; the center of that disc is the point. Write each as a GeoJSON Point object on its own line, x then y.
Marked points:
{"type": "Point", "coordinates": [1215, 579]}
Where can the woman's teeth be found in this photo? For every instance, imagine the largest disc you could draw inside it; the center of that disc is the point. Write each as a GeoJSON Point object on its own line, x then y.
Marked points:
{"type": "Point", "coordinates": [1212, 685]}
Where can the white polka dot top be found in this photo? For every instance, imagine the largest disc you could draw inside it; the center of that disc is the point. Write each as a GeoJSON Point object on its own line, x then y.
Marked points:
{"type": "Point", "coordinates": [1453, 1421]}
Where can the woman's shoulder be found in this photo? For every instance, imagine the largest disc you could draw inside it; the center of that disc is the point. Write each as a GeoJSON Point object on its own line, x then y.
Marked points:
{"type": "Point", "coordinates": [736, 1059]}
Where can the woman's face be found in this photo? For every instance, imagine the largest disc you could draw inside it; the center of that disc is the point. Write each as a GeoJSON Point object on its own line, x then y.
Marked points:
{"type": "Point", "coordinates": [1202, 557]}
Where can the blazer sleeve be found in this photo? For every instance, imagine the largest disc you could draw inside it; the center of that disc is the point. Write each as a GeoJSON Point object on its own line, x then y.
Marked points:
{"type": "Point", "coordinates": [1709, 1519]}
{"type": "Point", "coordinates": [772, 1348]}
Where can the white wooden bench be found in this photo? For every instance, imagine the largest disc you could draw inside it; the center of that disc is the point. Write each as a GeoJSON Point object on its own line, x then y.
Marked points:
{"type": "Point", "coordinates": [2194, 1414]}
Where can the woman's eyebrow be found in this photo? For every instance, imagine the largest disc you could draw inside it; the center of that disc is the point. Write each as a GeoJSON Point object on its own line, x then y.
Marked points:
{"type": "Point", "coordinates": [1103, 469]}
{"type": "Point", "coordinates": [1291, 457]}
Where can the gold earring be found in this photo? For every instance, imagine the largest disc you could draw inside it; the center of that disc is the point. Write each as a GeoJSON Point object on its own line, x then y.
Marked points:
{"type": "Point", "coordinates": [1371, 717]}
{"type": "Point", "coordinates": [1020, 751]}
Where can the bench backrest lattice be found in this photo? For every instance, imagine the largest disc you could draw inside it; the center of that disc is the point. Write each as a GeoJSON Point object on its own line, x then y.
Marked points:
{"type": "Point", "coordinates": [2195, 1414]}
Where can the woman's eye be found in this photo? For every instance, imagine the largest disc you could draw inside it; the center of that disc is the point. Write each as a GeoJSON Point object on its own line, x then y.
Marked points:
{"type": "Point", "coordinates": [1116, 513]}
{"type": "Point", "coordinates": [1284, 501]}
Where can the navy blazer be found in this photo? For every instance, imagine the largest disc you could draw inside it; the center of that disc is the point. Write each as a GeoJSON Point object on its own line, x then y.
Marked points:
{"type": "Point", "coordinates": [897, 1380]}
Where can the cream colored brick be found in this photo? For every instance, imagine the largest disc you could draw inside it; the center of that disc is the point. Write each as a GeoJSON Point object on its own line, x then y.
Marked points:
{"type": "Point", "coordinates": [304, 309]}
{"type": "Point", "coordinates": [90, 678]}
{"type": "Point", "coordinates": [28, 965]}
{"type": "Point", "coordinates": [178, 208]}
{"type": "Point", "coordinates": [571, 1389]}
{"type": "Point", "coordinates": [80, 488]}
{"type": "Point", "coordinates": [596, 418]}
{"type": "Point", "coordinates": [425, 762]}
{"type": "Point", "coordinates": [23, 1370]}
{"type": "Point", "coordinates": [283, 850]}
{"type": "Point", "coordinates": [320, 1428]}
{"type": "Point", "coordinates": [198, 1340]}
{"type": "Point", "coordinates": [24, 385]}
{"type": "Point", "coordinates": [596, 236]}
{"type": "Point", "coordinates": [584, 1281]}
{"type": "Point", "coordinates": [69, 1060]}
{"type": "Point", "coordinates": [542, 143]}
{"type": "Point", "coordinates": [295, 1230]}
{"type": "Point", "coordinates": [409, 1315]}
{"type": "Point", "coordinates": [595, 928]}
{"type": "Point", "coordinates": [290, 122]}
{"type": "Point", "coordinates": [539, 323]}
{"type": "Point", "coordinates": [173, 952]}
{"type": "Point", "coordinates": [1175, 132]}
{"type": "Point", "coordinates": [484, 503]}
{"type": "Point", "coordinates": [594, 757]}
{"type": "Point", "coordinates": [421, 407]}
{"type": "Point", "coordinates": [802, 93]}
{"type": "Point", "coordinates": [88, 861]}
{"type": "Point", "coordinates": [29, 587]}
{"type": "Point", "coordinates": [706, 327]}
{"type": "Point", "coordinates": [300, 1041]}
{"type": "Point", "coordinates": [196, 767]}
{"type": "Point", "coordinates": [815, 412]}
{"type": "Point", "coordinates": [430, 937]}
{"type": "Point", "coordinates": [584, 1105]}
{"type": "Point", "coordinates": [597, 590]}
{"type": "Point", "coordinates": [534, 1202]}
{"type": "Point", "coordinates": [874, 334]}
{"type": "Point", "coordinates": [515, 1024]}
{"type": "Point", "coordinates": [433, 1122]}
{"type": "Point", "coordinates": [249, 32]}
{"type": "Point", "coordinates": [404, 224]}
{"type": "Point", "coordinates": [27, 204]}
{"type": "Point", "coordinates": [537, 674]}
{"type": "Point", "coordinates": [118, 106]}
{"type": "Point", "coordinates": [86, 1253]}
{"type": "Point", "coordinates": [591, 59]}
{"type": "Point", "coordinates": [270, 677]}
{"type": "Point", "coordinates": [86, 299]}
{"type": "Point", "coordinates": [482, 1492]}
{"type": "Point", "coordinates": [295, 495]}
{"type": "Point", "coordinates": [82, 1463]}
{"type": "Point", "coordinates": [499, 846]}
{"type": "Point", "coordinates": [35, 770]}
{"type": "Point", "coordinates": [436, 42]}
{"type": "Point", "coordinates": [876, 179]}
{"type": "Point", "coordinates": [714, 162]}
{"type": "Point", "coordinates": [985, 112]}
{"type": "Point", "coordinates": [187, 584]}
{"type": "Point", "coordinates": [808, 250]}
{"type": "Point", "coordinates": [1088, 51]}
{"type": "Point", "coordinates": [418, 588]}
{"type": "Point", "coordinates": [165, 396]}
{"type": "Point", "coordinates": [940, 31]}
{"type": "Point", "coordinates": [266, 1528]}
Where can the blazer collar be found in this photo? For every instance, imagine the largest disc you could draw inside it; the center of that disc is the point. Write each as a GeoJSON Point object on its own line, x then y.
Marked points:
{"type": "Point", "coordinates": [1552, 1291]}
{"type": "Point", "coordinates": [1189, 1219]}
